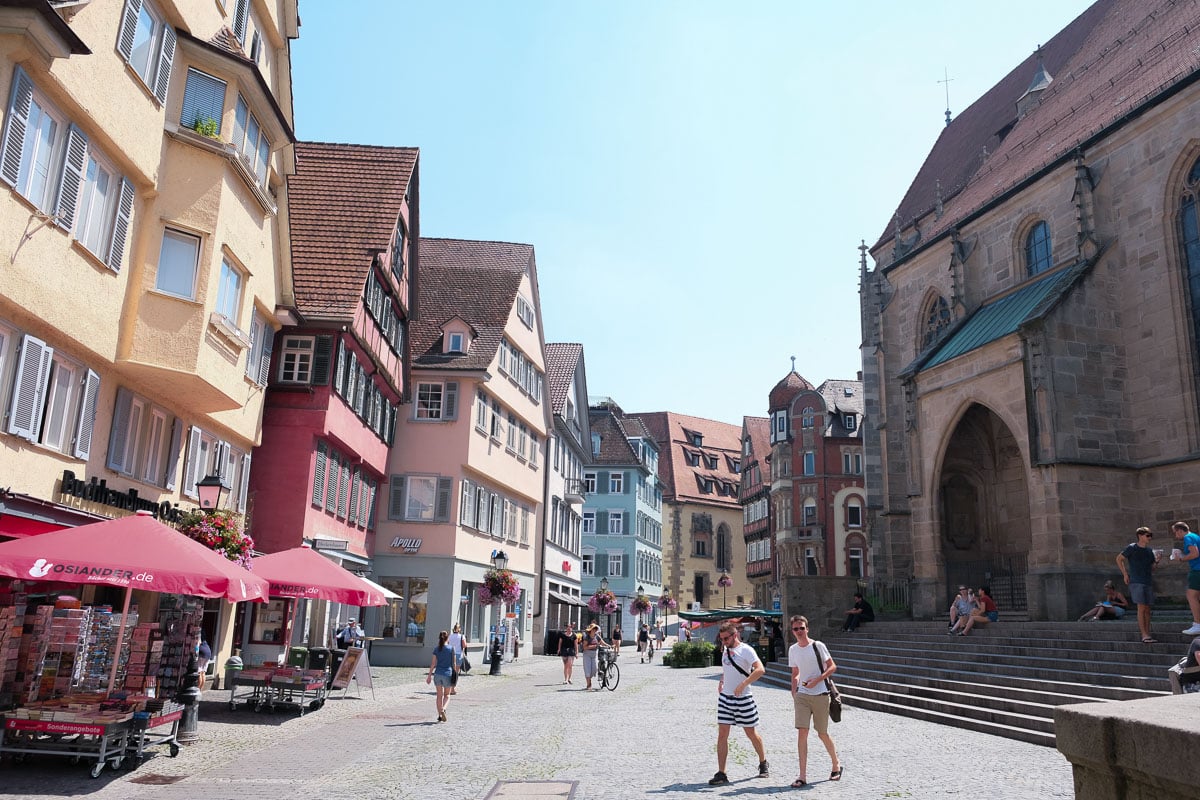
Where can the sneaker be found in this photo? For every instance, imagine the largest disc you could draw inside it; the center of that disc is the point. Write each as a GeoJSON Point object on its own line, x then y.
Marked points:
{"type": "Point", "coordinates": [1193, 630]}
{"type": "Point", "coordinates": [720, 779]}
{"type": "Point", "coordinates": [764, 769]}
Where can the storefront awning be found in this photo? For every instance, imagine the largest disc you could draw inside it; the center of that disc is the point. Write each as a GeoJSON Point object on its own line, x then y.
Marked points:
{"type": "Point", "coordinates": [22, 515]}
{"type": "Point", "coordinates": [567, 599]}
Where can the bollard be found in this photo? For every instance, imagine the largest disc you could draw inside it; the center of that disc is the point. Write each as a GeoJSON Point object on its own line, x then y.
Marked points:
{"type": "Point", "coordinates": [189, 695]}
{"type": "Point", "coordinates": [497, 652]}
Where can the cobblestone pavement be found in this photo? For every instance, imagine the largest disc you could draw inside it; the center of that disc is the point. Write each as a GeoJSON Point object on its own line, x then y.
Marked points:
{"type": "Point", "coordinates": [526, 735]}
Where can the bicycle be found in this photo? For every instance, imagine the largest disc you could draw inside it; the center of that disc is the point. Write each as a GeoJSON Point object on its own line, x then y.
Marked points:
{"type": "Point", "coordinates": [607, 670]}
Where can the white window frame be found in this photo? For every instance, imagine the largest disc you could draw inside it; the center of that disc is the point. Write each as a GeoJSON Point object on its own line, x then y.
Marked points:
{"type": "Point", "coordinates": [229, 291]}
{"type": "Point", "coordinates": [589, 482]}
{"type": "Point", "coordinates": [427, 483]}
{"type": "Point", "coordinates": [62, 403]}
{"type": "Point", "coordinates": [250, 141]}
{"type": "Point", "coordinates": [616, 522]}
{"type": "Point", "coordinates": [810, 462]}
{"type": "Point", "coordinates": [180, 273]}
{"type": "Point", "coordinates": [589, 523]}
{"type": "Point", "coordinates": [455, 343]}
{"type": "Point", "coordinates": [296, 359]}
{"type": "Point", "coordinates": [616, 483]}
{"type": "Point", "coordinates": [587, 565]}
{"type": "Point", "coordinates": [97, 208]}
{"type": "Point", "coordinates": [856, 507]}
{"type": "Point", "coordinates": [616, 565]}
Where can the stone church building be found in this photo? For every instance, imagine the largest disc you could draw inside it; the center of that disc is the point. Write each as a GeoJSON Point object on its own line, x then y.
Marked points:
{"type": "Point", "coordinates": [1031, 324]}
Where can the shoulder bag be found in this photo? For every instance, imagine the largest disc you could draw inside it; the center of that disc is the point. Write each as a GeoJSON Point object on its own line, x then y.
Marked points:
{"type": "Point", "coordinates": [835, 697]}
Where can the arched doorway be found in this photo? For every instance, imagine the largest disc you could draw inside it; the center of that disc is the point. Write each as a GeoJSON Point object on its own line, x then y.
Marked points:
{"type": "Point", "coordinates": [985, 529]}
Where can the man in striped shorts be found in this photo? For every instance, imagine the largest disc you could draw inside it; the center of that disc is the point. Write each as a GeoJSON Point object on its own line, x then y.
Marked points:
{"type": "Point", "coordinates": [735, 705]}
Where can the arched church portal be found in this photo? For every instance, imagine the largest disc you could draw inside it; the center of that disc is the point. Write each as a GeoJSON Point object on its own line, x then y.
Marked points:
{"type": "Point", "coordinates": [984, 524]}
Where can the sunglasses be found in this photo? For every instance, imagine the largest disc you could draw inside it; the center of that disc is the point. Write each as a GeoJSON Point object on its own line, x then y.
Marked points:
{"type": "Point", "coordinates": [801, 628]}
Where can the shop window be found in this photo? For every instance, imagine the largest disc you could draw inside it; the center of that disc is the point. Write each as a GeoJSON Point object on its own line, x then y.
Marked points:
{"type": "Point", "coordinates": [403, 619]}
{"type": "Point", "coordinates": [270, 621]}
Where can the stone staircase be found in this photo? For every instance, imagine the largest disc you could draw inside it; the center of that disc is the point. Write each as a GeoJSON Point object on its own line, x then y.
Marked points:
{"type": "Point", "coordinates": [1005, 679]}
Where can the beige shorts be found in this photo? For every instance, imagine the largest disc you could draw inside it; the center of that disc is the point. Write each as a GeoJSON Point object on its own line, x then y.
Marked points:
{"type": "Point", "coordinates": [812, 711]}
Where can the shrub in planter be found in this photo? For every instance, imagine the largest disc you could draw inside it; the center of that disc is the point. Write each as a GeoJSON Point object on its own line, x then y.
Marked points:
{"type": "Point", "coordinates": [692, 654]}
{"type": "Point", "coordinates": [666, 659]}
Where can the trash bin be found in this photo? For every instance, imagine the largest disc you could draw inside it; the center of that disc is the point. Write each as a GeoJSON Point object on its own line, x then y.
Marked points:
{"type": "Point", "coordinates": [233, 665]}
{"type": "Point", "coordinates": [297, 657]}
{"type": "Point", "coordinates": [335, 661]}
{"type": "Point", "coordinates": [318, 658]}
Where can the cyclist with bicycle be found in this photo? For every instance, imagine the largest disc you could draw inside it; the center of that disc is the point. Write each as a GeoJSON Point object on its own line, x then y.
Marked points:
{"type": "Point", "coordinates": [592, 640]}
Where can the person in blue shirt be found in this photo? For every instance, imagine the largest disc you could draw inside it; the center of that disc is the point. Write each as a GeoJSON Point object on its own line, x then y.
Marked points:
{"type": "Point", "coordinates": [1137, 562]}
{"type": "Point", "coordinates": [443, 668]}
{"type": "Point", "coordinates": [1188, 549]}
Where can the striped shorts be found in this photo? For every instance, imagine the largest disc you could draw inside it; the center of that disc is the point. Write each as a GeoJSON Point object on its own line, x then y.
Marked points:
{"type": "Point", "coordinates": [741, 710]}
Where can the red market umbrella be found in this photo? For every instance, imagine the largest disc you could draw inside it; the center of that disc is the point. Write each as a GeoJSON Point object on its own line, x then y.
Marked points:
{"type": "Point", "coordinates": [135, 552]}
{"type": "Point", "coordinates": [305, 573]}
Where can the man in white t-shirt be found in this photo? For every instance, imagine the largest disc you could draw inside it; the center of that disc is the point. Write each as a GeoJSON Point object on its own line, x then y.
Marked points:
{"type": "Point", "coordinates": [458, 643]}
{"type": "Point", "coordinates": [811, 664]}
{"type": "Point", "coordinates": [735, 704]}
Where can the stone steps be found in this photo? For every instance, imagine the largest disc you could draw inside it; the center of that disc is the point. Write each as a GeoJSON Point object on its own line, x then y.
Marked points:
{"type": "Point", "coordinates": [1005, 679]}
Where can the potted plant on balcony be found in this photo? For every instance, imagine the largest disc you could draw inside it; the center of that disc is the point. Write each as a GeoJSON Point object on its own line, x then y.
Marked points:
{"type": "Point", "coordinates": [219, 531]}
{"type": "Point", "coordinates": [499, 586]}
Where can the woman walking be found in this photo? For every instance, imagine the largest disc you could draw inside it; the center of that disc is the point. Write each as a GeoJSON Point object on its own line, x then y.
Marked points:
{"type": "Point", "coordinates": [811, 665]}
{"type": "Point", "coordinates": [443, 669]}
{"type": "Point", "coordinates": [591, 645]}
{"type": "Point", "coordinates": [458, 643]}
{"type": "Point", "coordinates": [566, 650]}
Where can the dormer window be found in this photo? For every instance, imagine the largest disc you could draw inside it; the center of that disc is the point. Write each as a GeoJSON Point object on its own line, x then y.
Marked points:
{"type": "Point", "coordinates": [456, 343]}
{"type": "Point", "coordinates": [697, 439]}
{"type": "Point", "coordinates": [848, 421]}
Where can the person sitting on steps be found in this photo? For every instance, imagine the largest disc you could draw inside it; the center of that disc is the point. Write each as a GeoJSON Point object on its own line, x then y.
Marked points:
{"type": "Point", "coordinates": [960, 609]}
{"type": "Point", "coordinates": [1111, 606]}
{"type": "Point", "coordinates": [985, 613]}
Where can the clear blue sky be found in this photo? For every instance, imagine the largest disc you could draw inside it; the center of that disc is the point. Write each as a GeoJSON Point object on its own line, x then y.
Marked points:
{"type": "Point", "coordinates": [695, 176]}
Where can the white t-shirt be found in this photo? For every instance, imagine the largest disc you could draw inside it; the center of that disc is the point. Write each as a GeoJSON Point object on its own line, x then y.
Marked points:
{"type": "Point", "coordinates": [456, 643]}
{"type": "Point", "coordinates": [802, 658]}
{"type": "Point", "coordinates": [746, 658]}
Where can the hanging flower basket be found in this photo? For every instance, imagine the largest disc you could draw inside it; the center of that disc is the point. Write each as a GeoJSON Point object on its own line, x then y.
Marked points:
{"type": "Point", "coordinates": [499, 585]}
{"type": "Point", "coordinates": [640, 606]}
{"type": "Point", "coordinates": [221, 532]}
{"type": "Point", "coordinates": [667, 603]}
{"type": "Point", "coordinates": [603, 602]}
{"type": "Point", "coordinates": [724, 581]}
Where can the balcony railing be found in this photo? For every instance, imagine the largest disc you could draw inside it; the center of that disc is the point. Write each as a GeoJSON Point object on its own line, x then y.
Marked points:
{"type": "Point", "coordinates": [573, 490]}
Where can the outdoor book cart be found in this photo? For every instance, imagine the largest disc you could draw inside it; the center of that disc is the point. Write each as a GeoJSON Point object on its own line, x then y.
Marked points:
{"type": "Point", "coordinates": [100, 742]}
{"type": "Point", "coordinates": [264, 688]}
{"type": "Point", "coordinates": [145, 735]}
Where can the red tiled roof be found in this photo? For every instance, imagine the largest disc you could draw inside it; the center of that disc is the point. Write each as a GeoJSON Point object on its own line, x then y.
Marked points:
{"type": "Point", "coordinates": [668, 430]}
{"type": "Point", "coordinates": [344, 202]}
{"type": "Point", "coordinates": [786, 390]}
{"type": "Point", "coordinates": [561, 361]}
{"type": "Point", "coordinates": [477, 281]}
{"type": "Point", "coordinates": [226, 39]}
{"type": "Point", "coordinates": [759, 430]}
{"type": "Point", "coordinates": [1110, 61]}
{"type": "Point", "coordinates": [612, 426]}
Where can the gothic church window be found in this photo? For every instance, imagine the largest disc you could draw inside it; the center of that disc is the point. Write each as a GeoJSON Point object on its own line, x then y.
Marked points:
{"type": "Point", "coordinates": [1037, 249]}
{"type": "Point", "coordinates": [936, 320]}
{"type": "Point", "coordinates": [1189, 230]}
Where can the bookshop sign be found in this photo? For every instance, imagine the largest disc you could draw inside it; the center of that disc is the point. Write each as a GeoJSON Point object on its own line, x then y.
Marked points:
{"type": "Point", "coordinates": [97, 491]}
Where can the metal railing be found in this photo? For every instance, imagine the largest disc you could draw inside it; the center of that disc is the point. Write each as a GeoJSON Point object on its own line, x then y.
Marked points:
{"type": "Point", "coordinates": [887, 595]}
{"type": "Point", "coordinates": [1003, 574]}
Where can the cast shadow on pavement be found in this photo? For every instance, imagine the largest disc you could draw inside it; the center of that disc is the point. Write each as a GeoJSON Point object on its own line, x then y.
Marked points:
{"type": "Point", "coordinates": [732, 789]}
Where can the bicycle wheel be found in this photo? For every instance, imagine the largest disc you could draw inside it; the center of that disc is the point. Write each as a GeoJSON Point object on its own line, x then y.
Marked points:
{"type": "Point", "coordinates": [612, 676]}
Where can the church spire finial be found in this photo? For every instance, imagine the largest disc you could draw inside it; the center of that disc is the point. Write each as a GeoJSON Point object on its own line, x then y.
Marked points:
{"type": "Point", "coordinates": [946, 80]}
{"type": "Point", "coordinates": [793, 363]}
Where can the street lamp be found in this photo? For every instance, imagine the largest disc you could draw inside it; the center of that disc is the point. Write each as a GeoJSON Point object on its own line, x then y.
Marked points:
{"type": "Point", "coordinates": [641, 591]}
{"type": "Point", "coordinates": [724, 582]}
{"type": "Point", "coordinates": [604, 588]}
{"type": "Point", "coordinates": [209, 489]}
{"type": "Point", "coordinates": [500, 562]}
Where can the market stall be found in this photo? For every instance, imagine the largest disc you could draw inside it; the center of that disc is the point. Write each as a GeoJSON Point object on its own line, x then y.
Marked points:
{"type": "Point", "coordinates": [298, 573]}
{"type": "Point", "coordinates": [85, 682]}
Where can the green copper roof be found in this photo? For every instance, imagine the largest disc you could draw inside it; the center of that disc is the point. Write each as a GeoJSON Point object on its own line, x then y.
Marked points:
{"type": "Point", "coordinates": [997, 319]}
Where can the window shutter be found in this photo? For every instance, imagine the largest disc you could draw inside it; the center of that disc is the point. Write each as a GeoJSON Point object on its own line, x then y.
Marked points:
{"type": "Point", "coordinates": [268, 345]}
{"type": "Point", "coordinates": [165, 56]}
{"type": "Point", "coordinates": [442, 511]}
{"type": "Point", "coordinates": [602, 482]}
{"type": "Point", "coordinates": [371, 506]}
{"type": "Point", "coordinates": [627, 484]}
{"type": "Point", "coordinates": [352, 513]}
{"type": "Point", "coordinates": [29, 388]}
{"type": "Point", "coordinates": [173, 456]}
{"type": "Point", "coordinates": [87, 415]}
{"type": "Point", "coordinates": [256, 332]}
{"type": "Point", "coordinates": [221, 461]}
{"type": "Point", "coordinates": [119, 431]}
{"type": "Point", "coordinates": [71, 178]}
{"type": "Point", "coordinates": [318, 491]}
{"type": "Point", "coordinates": [322, 349]}
{"type": "Point", "coordinates": [331, 478]}
{"type": "Point", "coordinates": [192, 463]}
{"type": "Point", "coordinates": [450, 401]}
{"type": "Point", "coordinates": [245, 487]}
{"type": "Point", "coordinates": [343, 486]}
{"type": "Point", "coordinates": [339, 371]}
{"type": "Point", "coordinates": [15, 124]}
{"type": "Point", "coordinates": [601, 522]}
{"type": "Point", "coordinates": [116, 250]}
{"type": "Point", "coordinates": [129, 21]}
{"type": "Point", "coordinates": [625, 523]}
{"type": "Point", "coordinates": [241, 15]}
{"type": "Point", "coordinates": [625, 564]}
{"type": "Point", "coordinates": [396, 498]}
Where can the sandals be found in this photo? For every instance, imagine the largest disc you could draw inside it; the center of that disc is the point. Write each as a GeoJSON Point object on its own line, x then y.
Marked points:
{"type": "Point", "coordinates": [1149, 640]}
{"type": "Point", "coordinates": [799, 783]}
{"type": "Point", "coordinates": [836, 775]}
